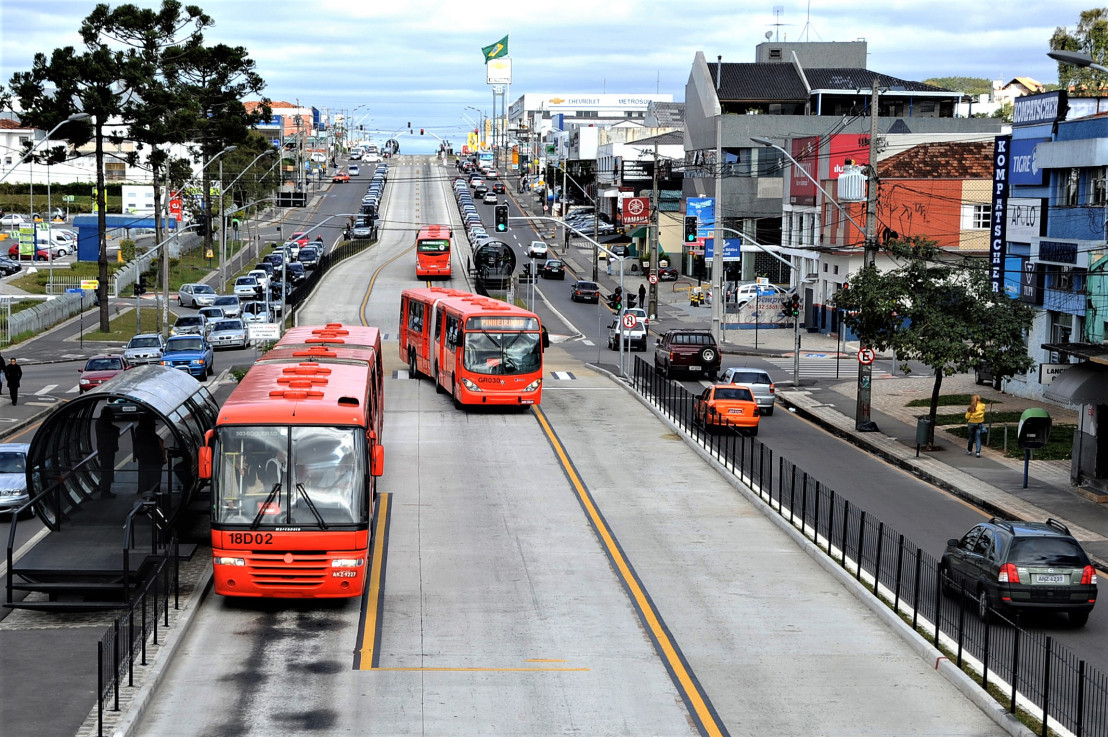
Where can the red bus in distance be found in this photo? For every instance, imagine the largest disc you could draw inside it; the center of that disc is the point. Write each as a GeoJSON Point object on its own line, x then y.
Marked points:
{"type": "Point", "coordinates": [293, 461]}
{"type": "Point", "coordinates": [479, 350]}
{"type": "Point", "coordinates": [433, 252]}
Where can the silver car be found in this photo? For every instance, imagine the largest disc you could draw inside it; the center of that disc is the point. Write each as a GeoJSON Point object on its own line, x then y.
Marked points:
{"type": "Point", "coordinates": [189, 325]}
{"type": "Point", "coordinates": [196, 295]}
{"type": "Point", "coordinates": [13, 476]}
{"type": "Point", "coordinates": [145, 348]}
{"type": "Point", "coordinates": [761, 385]}
{"type": "Point", "coordinates": [230, 304]}
{"type": "Point", "coordinates": [228, 333]}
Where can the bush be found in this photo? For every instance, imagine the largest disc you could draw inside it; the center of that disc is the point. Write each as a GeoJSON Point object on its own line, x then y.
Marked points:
{"type": "Point", "coordinates": [127, 248]}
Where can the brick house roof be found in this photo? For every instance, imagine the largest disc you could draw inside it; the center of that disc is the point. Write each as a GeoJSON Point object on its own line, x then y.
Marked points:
{"type": "Point", "coordinates": [944, 160]}
{"type": "Point", "coordinates": [10, 124]}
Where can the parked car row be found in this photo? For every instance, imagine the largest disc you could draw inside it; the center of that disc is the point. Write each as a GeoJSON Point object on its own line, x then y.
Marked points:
{"type": "Point", "coordinates": [475, 229]}
{"type": "Point", "coordinates": [371, 202]}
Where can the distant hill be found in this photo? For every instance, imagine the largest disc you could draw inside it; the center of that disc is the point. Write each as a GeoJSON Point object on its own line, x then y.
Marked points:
{"type": "Point", "coordinates": [967, 85]}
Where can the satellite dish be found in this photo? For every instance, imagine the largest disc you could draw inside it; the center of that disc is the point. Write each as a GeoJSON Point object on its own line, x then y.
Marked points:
{"type": "Point", "coordinates": [769, 35]}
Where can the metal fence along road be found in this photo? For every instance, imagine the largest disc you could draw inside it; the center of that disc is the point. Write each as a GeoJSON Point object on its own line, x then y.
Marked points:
{"type": "Point", "coordinates": [1048, 685]}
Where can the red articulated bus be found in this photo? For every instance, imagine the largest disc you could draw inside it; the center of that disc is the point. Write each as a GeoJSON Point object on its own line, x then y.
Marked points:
{"type": "Point", "coordinates": [480, 350]}
{"type": "Point", "coordinates": [433, 252]}
{"type": "Point", "coordinates": [294, 460]}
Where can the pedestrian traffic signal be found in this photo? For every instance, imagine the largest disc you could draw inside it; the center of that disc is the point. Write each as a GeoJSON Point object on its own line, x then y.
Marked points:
{"type": "Point", "coordinates": [794, 306]}
{"type": "Point", "coordinates": [501, 218]}
{"type": "Point", "coordinates": [690, 229]}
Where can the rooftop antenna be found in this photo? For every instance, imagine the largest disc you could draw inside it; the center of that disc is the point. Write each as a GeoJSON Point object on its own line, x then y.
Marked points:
{"type": "Point", "coordinates": [807, 23]}
{"type": "Point", "coordinates": [778, 11]}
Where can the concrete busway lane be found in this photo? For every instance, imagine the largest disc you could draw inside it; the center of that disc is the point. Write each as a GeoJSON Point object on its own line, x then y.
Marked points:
{"type": "Point", "coordinates": [503, 614]}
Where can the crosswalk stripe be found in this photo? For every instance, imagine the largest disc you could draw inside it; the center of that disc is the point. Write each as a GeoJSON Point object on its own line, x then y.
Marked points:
{"type": "Point", "coordinates": [825, 368]}
{"type": "Point", "coordinates": [46, 389]}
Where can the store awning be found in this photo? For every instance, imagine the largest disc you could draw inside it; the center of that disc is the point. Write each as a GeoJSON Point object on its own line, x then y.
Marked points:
{"type": "Point", "coordinates": [639, 232]}
{"type": "Point", "coordinates": [1082, 383]}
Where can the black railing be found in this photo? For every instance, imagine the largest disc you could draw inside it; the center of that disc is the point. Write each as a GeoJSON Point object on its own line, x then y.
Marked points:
{"type": "Point", "coordinates": [125, 641]}
{"type": "Point", "coordinates": [1024, 670]}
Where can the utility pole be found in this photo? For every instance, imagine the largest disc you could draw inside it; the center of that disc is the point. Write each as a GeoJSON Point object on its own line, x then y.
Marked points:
{"type": "Point", "coordinates": [718, 305]}
{"type": "Point", "coordinates": [862, 419]}
{"type": "Point", "coordinates": [655, 236]}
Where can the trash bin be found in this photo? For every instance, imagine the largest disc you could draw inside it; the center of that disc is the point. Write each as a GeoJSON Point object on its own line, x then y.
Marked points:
{"type": "Point", "coordinates": [923, 430]}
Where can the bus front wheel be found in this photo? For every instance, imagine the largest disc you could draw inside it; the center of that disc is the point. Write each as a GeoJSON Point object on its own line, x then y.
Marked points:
{"type": "Point", "coordinates": [454, 392]}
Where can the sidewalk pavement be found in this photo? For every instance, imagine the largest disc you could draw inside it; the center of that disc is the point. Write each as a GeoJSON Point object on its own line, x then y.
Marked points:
{"type": "Point", "coordinates": [992, 482]}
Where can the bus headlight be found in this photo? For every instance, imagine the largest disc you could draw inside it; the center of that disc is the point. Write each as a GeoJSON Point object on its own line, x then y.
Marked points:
{"type": "Point", "coordinates": [533, 386]}
{"type": "Point", "coordinates": [226, 561]}
{"type": "Point", "coordinates": [347, 562]}
{"type": "Point", "coordinates": [470, 385]}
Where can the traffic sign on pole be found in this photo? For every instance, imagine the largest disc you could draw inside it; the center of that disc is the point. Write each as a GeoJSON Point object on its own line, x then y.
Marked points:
{"type": "Point", "coordinates": [653, 278]}
{"type": "Point", "coordinates": [866, 356]}
{"type": "Point", "coordinates": [90, 284]}
{"type": "Point", "coordinates": [630, 320]}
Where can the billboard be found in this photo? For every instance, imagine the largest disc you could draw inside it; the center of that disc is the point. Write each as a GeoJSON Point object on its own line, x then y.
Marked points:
{"type": "Point", "coordinates": [498, 71]}
{"type": "Point", "coordinates": [847, 146]}
{"type": "Point", "coordinates": [802, 190]}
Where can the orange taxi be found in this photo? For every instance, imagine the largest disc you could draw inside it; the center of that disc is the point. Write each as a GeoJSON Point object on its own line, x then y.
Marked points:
{"type": "Point", "coordinates": [728, 405]}
{"type": "Point", "coordinates": [341, 177]}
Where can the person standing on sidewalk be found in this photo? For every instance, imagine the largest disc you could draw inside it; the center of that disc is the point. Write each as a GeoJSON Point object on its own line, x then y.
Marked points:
{"type": "Point", "coordinates": [13, 372]}
{"type": "Point", "coordinates": [975, 419]}
{"type": "Point", "coordinates": [107, 445]}
{"type": "Point", "coordinates": [642, 296]}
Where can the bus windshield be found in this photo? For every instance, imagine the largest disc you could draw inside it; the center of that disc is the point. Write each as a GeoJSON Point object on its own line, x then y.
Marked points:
{"type": "Point", "coordinates": [502, 353]}
{"type": "Point", "coordinates": [433, 246]}
{"type": "Point", "coordinates": [324, 485]}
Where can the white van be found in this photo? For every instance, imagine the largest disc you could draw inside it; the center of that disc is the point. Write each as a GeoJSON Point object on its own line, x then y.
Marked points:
{"type": "Point", "coordinates": [60, 243]}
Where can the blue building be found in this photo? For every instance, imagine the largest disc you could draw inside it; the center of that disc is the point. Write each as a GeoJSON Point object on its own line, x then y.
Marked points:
{"type": "Point", "coordinates": [1055, 225]}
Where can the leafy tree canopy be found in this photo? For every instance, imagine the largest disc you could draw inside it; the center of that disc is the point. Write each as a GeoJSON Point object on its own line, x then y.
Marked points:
{"type": "Point", "coordinates": [943, 315]}
{"type": "Point", "coordinates": [1089, 37]}
{"type": "Point", "coordinates": [968, 85]}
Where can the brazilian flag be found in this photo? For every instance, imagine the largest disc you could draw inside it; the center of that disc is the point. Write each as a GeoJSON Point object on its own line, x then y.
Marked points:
{"type": "Point", "coordinates": [495, 51]}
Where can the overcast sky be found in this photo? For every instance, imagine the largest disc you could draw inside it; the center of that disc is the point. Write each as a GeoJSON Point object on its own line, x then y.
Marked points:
{"type": "Point", "coordinates": [420, 61]}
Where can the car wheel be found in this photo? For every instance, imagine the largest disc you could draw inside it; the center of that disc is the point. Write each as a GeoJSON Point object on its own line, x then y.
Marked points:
{"type": "Point", "coordinates": [1078, 619]}
{"type": "Point", "coordinates": [754, 432]}
{"type": "Point", "coordinates": [712, 373]}
{"type": "Point", "coordinates": [768, 411]}
{"type": "Point", "coordinates": [946, 583]}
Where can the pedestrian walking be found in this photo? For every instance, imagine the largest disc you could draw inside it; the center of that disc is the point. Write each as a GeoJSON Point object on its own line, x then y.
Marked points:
{"type": "Point", "coordinates": [609, 262]}
{"type": "Point", "coordinates": [13, 372]}
{"type": "Point", "coordinates": [2, 364]}
{"type": "Point", "coordinates": [642, 296]}
{"type": "Point", "coordinates": [107, 445]}
{"type": "Point", "coordinates": [975, 421]}
{"type": "Point", "coordinates": [150, 454]}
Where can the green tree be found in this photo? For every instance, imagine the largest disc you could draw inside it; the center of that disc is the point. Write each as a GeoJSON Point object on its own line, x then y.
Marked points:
{"type": "Point", "coordinates": [966, 85]}
{"type": "Point", "coordinates": [69, 82]}
{"type": "Point", "coordinates": [943, 315]}
{"type": "Point", "coordinates": [1089, 37]}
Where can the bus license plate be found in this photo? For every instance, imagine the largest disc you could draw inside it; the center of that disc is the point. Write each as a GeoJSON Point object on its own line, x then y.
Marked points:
{"type": "Point", "coordinates": [1050, 578]}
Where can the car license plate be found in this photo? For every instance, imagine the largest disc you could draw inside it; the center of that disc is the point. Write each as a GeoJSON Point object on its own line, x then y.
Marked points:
{"type": "Point", "coordinates": [694, 368]}
{"type": "Point", "coordinates": [1050, 578]}
{"type": "Point", "coordinates": [734, 411]}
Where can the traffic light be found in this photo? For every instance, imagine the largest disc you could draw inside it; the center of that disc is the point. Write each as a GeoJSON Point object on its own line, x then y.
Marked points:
{"type": "Point", "coordinates": [421, 131]}
{"type": "Point", "coordinates": [140, 287]}
{"type": "Point", "coordinates": [690, 229]}
{"type": "Point", "coordinates": [794, 305]}
{"type": "Point", "coordinates": [501, 218]}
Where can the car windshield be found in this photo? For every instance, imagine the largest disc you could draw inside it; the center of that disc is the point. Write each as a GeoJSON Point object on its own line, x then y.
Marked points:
{"type": "Point", "coordinates": [256, 484]}
{"type": "Point", "coordinates": [502, 353]}
{"type": "Point", "coordinates": [203, 289]}
{"type": "Point", "coordinates": [1047, 551]}
{"type": "Point", "coordinates": [184, 344]}
{"type": "Point", "coordinates": [227, 325]}
{"type": "Point", "coordinates": [248, 281]}
{"type": "Point", "coordinates": [12, 462]}
{"type": "Point", "coordinates": [737, 392]}
{"type": "Point", "coordinates": [189, 321]}
{"type": "Point", "coordinates": [103, 364]}
{"type": "Point", "coordinates": [226, 301]}
{"type": "Point", "coordinates": [143, 343]}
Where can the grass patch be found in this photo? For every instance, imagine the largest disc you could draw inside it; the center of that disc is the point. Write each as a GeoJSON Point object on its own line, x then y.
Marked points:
{"type": "Point", "coordinates": [1060, 447]}
{"type": "Point", "coordinates": [124, 324]}
{"type": "Point", "coordinates": [948, 400]}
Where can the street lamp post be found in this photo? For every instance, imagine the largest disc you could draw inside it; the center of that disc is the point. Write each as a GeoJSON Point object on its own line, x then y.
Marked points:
{"type": "Point", "coordinates": [223, 210]}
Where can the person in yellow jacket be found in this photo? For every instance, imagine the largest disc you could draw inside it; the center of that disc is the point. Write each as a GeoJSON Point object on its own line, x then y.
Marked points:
{"type": "Point", "coordinates": [975, 417]}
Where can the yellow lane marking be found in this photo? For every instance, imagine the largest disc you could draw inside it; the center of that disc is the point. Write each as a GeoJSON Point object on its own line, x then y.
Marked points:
{"type": "Point", "coordinates": [487, 670]}
{"type": "Point", "coordinates": [373, 601]}
{"type": "Point", "coordinates": [698, 703]}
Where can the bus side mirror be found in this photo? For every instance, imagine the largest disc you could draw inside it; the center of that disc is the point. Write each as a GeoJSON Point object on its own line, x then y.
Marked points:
{"type": "Point", "coordinates": [377, 461]}
{"type": "Point", "coordinates": [204, 454]}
